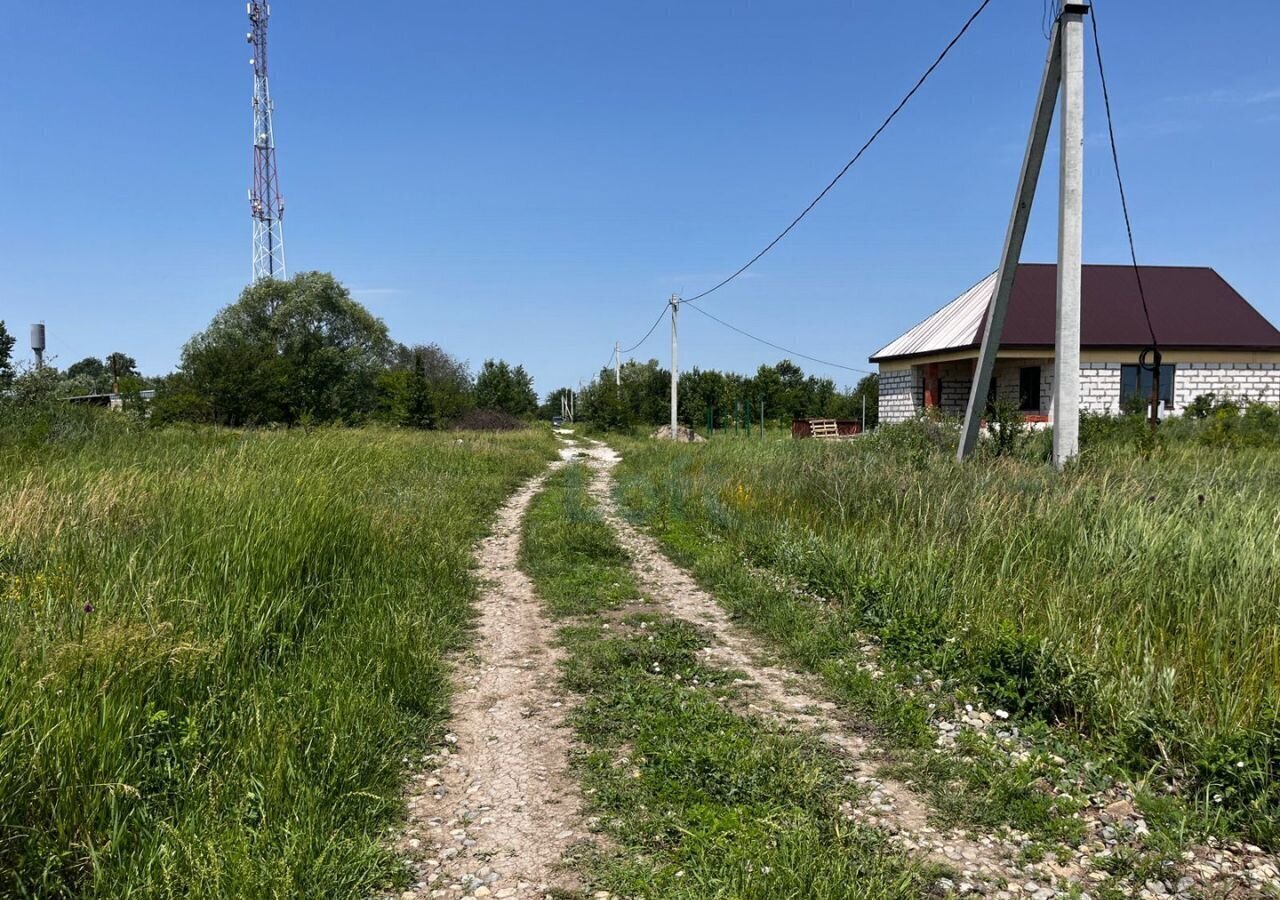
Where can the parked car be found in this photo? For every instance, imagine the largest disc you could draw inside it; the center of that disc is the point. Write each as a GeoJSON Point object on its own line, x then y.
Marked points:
{"type": "Point", "coordinates": [557, 421]}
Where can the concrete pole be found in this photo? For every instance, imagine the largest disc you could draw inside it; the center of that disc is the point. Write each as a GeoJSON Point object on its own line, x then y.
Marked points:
{"type": "Point", "coordinates": [617, 364]}
{"type": "Point", "coordinates": [675, 372]}
{"type": "Point", "coordinates": [1066, 354]}
{"type": "Point", "coordinates": [1024, 197]}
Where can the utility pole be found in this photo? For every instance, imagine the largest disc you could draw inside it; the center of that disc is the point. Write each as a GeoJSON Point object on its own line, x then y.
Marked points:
{"type": "Point", "coordinates": [863, 428]}
{"type": "Point", "coordinates": [1066, 353]}
{"type": "Point", "coordinates": [617, 364]}
{"type": "Point", "coordinates": [675, 372]}
{"type": "Point", "coordinates": [1066, 58]}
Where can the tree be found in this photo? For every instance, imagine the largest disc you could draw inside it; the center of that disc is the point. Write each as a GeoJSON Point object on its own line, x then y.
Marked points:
{"type": "Point", "coordinates": [501, 388]}
{"type": "Point", "coordinates": [118, 365]}
{"type": "Point", "coordinates": [90, 367]}
{"type": "Point", "coordinates": [421, 409]}
{"type": "Point", "coordinates": [448, 381]}
{"type": "Point", "coordinates": [286, 351]}
{"type": "Point", "coordinates": [868, 389]}
{"type": "Point", "coordinates": [6, 356]}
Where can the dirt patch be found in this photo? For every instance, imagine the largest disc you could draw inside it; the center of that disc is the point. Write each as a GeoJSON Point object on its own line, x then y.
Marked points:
{"type": "Point", "coordinates": [497, 810]}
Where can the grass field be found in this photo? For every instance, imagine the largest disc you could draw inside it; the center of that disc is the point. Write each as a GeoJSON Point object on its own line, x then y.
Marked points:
{"type": "Point", "coordinates": [1137, 601]}
{"type": "Point", "coordinates": [219, 650]}
{"type": "Point", "coordinates": [697, 801]}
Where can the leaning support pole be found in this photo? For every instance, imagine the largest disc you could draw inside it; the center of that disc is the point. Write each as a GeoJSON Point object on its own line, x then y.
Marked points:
{"type": "Point", "coordinates": [1066, 354]}
{"type": "Point", "coordinates": [1025, 196]}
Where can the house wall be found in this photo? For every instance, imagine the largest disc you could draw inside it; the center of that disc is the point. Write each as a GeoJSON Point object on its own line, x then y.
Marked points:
{"type": "Point", "coordinates": [902, 388]}
{"type": "Point", "coordinates": [957, 381]}
{"type": "Point", "coordinates": [901, 393]}
{"type": "Point", "coordinates": [1255, 381]}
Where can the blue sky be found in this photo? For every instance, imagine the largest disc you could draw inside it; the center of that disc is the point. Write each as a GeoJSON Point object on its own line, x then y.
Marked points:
{"type": "Point", "coordinates": [532, 180]}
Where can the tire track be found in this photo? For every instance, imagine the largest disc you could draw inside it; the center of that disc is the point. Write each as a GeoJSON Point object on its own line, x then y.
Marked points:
{"type": "Point", "coordinates": [497, 810]}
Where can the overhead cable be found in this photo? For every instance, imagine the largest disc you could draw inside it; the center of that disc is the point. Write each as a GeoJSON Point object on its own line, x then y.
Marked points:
{"type": "Point", "coordinates": [786, 350]}
{"type": "Point", "coordinates": [849, 165]}
{"type": "Point", "coordinates": [652, 329]}
{"type": "Point", "coordinates": [1115, 159]}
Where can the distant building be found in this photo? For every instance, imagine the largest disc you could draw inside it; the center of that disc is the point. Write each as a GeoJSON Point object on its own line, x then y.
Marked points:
{"type": "Point", "coordinates": [110, 400]}
{"type": "Point", "coordinates": [1211, 339]}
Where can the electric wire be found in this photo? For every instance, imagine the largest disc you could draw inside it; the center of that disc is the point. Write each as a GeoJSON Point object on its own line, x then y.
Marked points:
{"type": "Point", "coordinates": [849, 165]}
{"type": "Point", "coordinates": [824, 362]}
{"type": "Point", "coordinates": [652, 328]}
{"type": "Point", "coordinates": [1115, 159]}
{"type": "Point", "coordinates": [1048, 16]}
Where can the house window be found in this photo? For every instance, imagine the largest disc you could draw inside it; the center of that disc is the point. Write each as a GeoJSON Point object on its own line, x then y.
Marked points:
{"type": "Point", "coordinates": [1029, 389]}
{"type": "Point", "coordinates": [1135, 386]}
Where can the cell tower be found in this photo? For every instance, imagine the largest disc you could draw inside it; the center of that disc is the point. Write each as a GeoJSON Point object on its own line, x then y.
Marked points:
{"type": "Point", "coordinates": [265, 202]}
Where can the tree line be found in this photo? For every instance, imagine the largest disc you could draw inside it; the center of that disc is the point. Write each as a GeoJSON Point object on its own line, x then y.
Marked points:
{"type": "Point", "coordinates": [295, 352]}
{"type": "Point", "coordinates": [639, 394]}
{"type": "Point", "coordinates": [303, 351]}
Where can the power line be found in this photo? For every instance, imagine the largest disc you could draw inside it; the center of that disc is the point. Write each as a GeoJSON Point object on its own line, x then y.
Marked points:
{"type": "Point", "coordinates": [652, 329]}
{"type": "Point", "coordinates": [1048, 16]}
{"type": "Point", "coordinates": [786, 350]}
{"type": "Point", "coordinates": [849, 165]}
{"type": "Point", "coordinates": [1115, 159]}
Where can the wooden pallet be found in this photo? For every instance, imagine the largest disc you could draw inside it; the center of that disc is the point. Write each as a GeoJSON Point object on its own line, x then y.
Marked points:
{"type": "Point", "coordinates": [824, 428]}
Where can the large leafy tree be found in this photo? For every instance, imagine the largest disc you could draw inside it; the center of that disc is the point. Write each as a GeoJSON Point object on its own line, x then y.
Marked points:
{"type": "Point", "coordinates": [288, 352]}
{"type": "Point", "coordinates": [89, 367]}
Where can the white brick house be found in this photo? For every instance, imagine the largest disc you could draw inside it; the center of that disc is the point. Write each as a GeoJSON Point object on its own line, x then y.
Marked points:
{"type": "Point", "coordinates": [1212, 341]}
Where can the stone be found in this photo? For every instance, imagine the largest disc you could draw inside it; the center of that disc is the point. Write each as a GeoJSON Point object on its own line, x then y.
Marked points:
{"type": "Point", "coordinates": [1117, 811]}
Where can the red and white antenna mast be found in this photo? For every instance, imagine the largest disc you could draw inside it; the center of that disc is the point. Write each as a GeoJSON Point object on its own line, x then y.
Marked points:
{"type": "Point", "coordinates": [265, 202]}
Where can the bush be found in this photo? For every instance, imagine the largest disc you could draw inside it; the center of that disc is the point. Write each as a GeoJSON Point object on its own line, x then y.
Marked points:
{"type": "Point", "coordinates": [1007, 428]}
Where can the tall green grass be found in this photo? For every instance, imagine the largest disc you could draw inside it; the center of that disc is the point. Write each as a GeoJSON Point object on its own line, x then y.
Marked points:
{"type": "Point", "coordinates": [1136, 600]}
{"type": "Point", "coordinates": [218, 651]}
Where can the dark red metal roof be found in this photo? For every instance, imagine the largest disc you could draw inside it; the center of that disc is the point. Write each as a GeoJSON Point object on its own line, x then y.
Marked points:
{"type": "Point", "coordinates": [1190, 307]}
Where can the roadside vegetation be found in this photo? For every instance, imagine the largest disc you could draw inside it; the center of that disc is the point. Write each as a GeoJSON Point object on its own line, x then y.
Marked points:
{"type": "Point", "coordinates": [1134, 601]}
{"type": "Point", "coordinates": [696, 799]}
{"type": "Point", "coordinates": [300, 352]}
{"type": "Point", "coordinates": [219, 648]}
{"type": "Point", "coordinates": [638, 396]}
